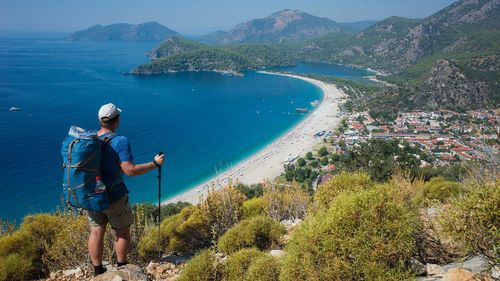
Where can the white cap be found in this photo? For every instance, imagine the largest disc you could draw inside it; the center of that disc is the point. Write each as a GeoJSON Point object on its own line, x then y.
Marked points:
{"type": "Point", "coordinates": [109, 111]}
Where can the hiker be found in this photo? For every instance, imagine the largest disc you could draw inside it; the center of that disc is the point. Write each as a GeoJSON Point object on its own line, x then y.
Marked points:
{"type": "Point", "coordinates": [117, 160]}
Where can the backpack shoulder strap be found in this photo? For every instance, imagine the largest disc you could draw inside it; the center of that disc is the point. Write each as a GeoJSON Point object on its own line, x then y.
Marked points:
{"type": "Point", "coordinates": [107, 137]}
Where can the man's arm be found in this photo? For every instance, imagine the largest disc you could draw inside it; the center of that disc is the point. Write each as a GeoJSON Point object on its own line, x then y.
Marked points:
{"type": "Point", "coordinates": [131, 169]}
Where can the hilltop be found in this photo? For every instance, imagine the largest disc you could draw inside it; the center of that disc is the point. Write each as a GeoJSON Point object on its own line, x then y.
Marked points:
{"type": "Point", "coordinates": [461, 41]}
{"type": "Point", "coordinates": [180, 54]}
{"type": "Point", "coordinates": [124, 31]}
{"type": "Point", "coordinates": [282, 25]}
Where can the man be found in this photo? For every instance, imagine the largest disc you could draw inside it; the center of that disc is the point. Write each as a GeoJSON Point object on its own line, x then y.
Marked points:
{"type": "Point", "coordinates": [117, 160]}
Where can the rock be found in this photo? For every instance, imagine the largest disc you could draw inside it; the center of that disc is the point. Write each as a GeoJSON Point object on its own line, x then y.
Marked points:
{"type": "Point", "coordinates": [495, 272]}
{"type": "Point", "coordinates": [458, 274]}
{"type": "Point", "coordinates": [417, 267]}
{"type": "Point", "coordinates": [128, 272]}
{"type": "Point", "coordinates": [434, 269]}
{"type": "Point", "coordinates": [277, 253]}
{"type": "Point", "coordinates": [164, 271]}
{"type": "Point", "coordinates": [77, 272]}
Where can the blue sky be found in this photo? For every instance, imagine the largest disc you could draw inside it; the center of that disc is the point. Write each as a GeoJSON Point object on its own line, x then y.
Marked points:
{"type": "Point", "coordinates": [193, 16]}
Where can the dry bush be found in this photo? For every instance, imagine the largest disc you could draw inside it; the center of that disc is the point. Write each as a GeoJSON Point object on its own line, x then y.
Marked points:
{"type": "Point", "coordinates": [222, 208]}
{"type": "Point", "coordinates": [263, 268]}
{"type": "Point", "coordinates": [473, 220]}
{"type": "Point", "coordinates": [285, 202]}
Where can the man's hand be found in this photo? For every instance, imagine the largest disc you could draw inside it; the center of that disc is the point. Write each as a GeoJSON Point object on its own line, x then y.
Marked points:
{"type": "Point", "coordinates": [159, 159]}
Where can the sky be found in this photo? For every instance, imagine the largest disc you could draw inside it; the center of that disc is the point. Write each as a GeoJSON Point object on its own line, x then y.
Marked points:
{"type": "Point", "coordinates": [194, 16]}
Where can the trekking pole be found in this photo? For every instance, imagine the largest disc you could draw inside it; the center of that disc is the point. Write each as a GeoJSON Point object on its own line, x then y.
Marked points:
{"type": "Point", "coordinates": [159, 209]}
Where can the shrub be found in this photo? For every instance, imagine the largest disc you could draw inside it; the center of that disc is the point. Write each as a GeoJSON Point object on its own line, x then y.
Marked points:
{"type": "Point", "coordinates": [69, 248]}
{"type": "Point", "coordinates": [309, 155]}
{"type": "Point", "coordinates": [260, 232]}
{"type": "Point", "coordinates": [201, 267]}
{"type": "Point", "coordinates": [222, 208]}
{"type": "Point", "coordinates": [286, 202]}
{"type": "Point", "coordinates": [440, 189]}
{"type": "Point", "coordinates": [150, 211]}
{"type": "Point", "coordinates": [238, 263]}
{"type": "Point", "coordinates": [264, 268]}
{"type": "Point", "coordinates": [253, 207]}
{"type": "Point", "coordinates": [184, 233]}
{"type": "Point", "coordinates": [327, 192]}
{"type": "Point", "coordinates": [323, 151]}
{"type": "Point", "coordinates": [250, 191]}
{"type": "Point", "coordinates": [21, 252]}
{"type": "Point", "coordinates": [473, 220]}
{"type": "Point", "coordinates": [364, 235]}
{"type": "Point", "coordinates": [301, 162]}
{"type": "Point", "coordinates": [324, 161]}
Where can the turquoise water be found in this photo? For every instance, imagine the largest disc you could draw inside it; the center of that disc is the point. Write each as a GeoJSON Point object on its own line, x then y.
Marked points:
{"type": "Point", "coordinates": [202, 121]}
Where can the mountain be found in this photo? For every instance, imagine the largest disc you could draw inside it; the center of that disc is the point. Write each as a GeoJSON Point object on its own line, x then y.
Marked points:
{"type": "Point", "coordinates": [466, 35]}
{"type": "Point", "coordinates": [179, 54]}
{"type": "Point", "coordinates": [124, 31]}
{"type": "Point", "coordinates": [282, 25]}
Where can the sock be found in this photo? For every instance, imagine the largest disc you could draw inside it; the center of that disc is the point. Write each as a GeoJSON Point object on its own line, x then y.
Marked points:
{"type": "Point", "coordinates": [99, 269]}
{"type": "Point", "coordinates": [122, 263]}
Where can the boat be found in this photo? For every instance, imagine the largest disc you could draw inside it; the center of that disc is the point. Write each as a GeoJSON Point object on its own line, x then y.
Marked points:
{"type": "Point", "coordinates": [302, 110]}
{"type": "Point", "coordinates": [15, 109]}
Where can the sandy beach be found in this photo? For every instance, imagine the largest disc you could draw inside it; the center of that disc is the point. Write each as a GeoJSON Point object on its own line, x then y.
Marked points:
{"type": "Point", "coordinates": [267, 163]}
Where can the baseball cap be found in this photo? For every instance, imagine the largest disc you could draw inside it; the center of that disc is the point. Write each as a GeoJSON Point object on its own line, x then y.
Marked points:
{"type": "Point", "coordinates": [109, 111]}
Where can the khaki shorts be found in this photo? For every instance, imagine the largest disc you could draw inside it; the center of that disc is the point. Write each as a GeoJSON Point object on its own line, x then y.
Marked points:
{"type": "Point", "coordinates": [119, 215]}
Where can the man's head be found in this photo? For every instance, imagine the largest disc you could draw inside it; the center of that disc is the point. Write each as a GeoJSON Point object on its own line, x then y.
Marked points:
{"type": "Point", "coordinates": [109, 116]}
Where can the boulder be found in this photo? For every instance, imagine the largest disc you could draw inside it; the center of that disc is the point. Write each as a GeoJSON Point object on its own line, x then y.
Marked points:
{"type": "Point", "coordinates": [458, 274]}
{"type": "Point", "coordinates": [434, 269]}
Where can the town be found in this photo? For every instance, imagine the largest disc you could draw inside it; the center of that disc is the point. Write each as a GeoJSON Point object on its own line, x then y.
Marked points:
{"type": "Point", "coordinates": [446, 136]}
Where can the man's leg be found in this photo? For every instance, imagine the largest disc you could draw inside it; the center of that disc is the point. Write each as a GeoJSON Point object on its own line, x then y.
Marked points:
{"type": "Point", "coordinates": [96, 248]}
{"type": "Point", "coordinates": [122, 245]}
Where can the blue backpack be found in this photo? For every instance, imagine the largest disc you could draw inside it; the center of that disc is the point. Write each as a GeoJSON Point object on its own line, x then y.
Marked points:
{"type": "Point", "coordinates": [82, 153]}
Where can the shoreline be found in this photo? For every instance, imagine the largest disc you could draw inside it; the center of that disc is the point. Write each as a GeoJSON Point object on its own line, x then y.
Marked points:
{"type": "Point", "coordinates": [267, 163]}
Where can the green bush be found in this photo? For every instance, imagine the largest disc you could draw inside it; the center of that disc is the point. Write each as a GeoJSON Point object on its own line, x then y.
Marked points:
{"type": "Point", "coordinates": [22, 251]}
{"type": "Point", "coordinates": [323, 151]}
{"type": "Point", "coordinates": [183, 233]}
{"type": "Point", "coordinates": [440, 189]}
{"type": "Point", "coordinates": [253, 207]}
{"type": "Point", "coordinates": [250, 191]}
{"type": "Point", "coordinates": [260, 232]}
{"type": "Point", "coordinates": [309, 155]}
{"type": "Point", "coordinates": [238, 263]}
{"type": "Point", "coordinates": [201, 267]}
{"type": "Point", "coordinates": [327, 192]}
{"type": "Point", "coordinates": [264, 268]}
{"type": "Point", "coordinates": [473, 220]}
{"type": "Point", "coordinates": [16, 267]}
{"type": "Point", "coordinates": [301, 162]}
{"type": "Point", "coordinates": [324, 161]}
{"type": "Point", "coordinates": [367, 234]}
{"type": "Point", "coordinates": [150, 211]}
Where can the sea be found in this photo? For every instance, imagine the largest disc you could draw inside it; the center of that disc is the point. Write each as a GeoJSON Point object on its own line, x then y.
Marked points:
{"type": "Point", "coordinates": [203, 122]}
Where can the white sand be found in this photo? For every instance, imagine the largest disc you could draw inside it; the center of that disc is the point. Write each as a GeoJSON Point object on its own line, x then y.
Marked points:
{"type": "Point", "coordinates": [267, 163]}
